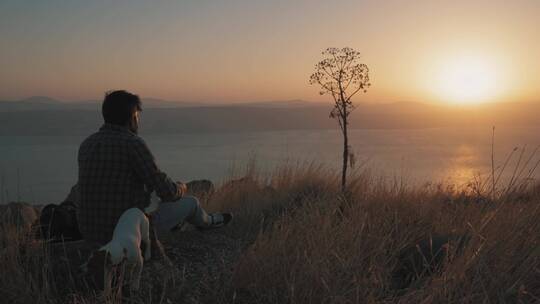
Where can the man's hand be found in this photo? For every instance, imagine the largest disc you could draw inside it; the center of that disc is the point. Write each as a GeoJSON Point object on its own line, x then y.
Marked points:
{"type": "Point", "coordinates": [182, 189]}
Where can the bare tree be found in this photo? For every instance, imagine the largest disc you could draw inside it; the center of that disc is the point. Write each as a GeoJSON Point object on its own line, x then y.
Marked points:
{"type": "Point", "coordinates": [341, 75]}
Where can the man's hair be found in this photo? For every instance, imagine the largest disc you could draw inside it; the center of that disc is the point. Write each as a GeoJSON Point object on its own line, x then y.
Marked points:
{"type": "Point", "coordinates": [118, 107]}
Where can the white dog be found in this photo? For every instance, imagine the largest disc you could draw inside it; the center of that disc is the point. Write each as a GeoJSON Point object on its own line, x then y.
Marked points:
{"type": "Point", "coordinates": [131, 231]}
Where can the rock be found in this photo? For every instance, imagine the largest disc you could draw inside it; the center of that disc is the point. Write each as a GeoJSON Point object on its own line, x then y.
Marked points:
{"type": "Point", "coordinates": [426, 257]}
{"type": "Point", "coordinates": [200, 187]}
{"type": "Point", "coordinates": [246, 182]}
{"type": "Point", "coordinates": [19, 214]}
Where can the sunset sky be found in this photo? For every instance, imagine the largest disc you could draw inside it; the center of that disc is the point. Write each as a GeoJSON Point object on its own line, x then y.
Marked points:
{"type": "Point", "coordinates": [251, 50]}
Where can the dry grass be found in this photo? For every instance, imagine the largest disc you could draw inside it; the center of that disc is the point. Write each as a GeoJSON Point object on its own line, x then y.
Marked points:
{"type": "Point", "coordinates": [36, 272]}
{"type": "Point", "coordinates": [313, 245]}
{"type": "Point", "coordinates": [304, 242]}
{"type": "Point", "coordinates": [346, 250]}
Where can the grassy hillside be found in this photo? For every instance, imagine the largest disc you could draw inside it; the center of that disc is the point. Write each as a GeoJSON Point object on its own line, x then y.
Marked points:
{"type": "Point", "coordinates": [298, 240]}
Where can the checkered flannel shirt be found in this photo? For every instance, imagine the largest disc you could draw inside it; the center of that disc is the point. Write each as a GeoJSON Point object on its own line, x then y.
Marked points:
{"type": "Point", "coordinates": [116, 172]}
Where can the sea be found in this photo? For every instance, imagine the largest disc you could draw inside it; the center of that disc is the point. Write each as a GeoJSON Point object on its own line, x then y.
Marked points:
{"type": "Point", "coordinates": [42, 169]}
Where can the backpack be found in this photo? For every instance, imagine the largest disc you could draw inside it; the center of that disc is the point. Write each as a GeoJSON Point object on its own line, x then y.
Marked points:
{"type": "Point", "coordinates": [59, 222]}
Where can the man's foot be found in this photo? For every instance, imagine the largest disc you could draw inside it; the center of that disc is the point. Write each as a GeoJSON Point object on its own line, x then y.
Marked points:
{"type": "Point", "coordinates": [218, 220]}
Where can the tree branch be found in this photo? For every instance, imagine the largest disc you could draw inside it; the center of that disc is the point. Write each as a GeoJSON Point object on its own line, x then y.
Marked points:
{"type": "Point", "coordinates": [329, 75]}
{"type": "Point", "coordinates": [360, 87]}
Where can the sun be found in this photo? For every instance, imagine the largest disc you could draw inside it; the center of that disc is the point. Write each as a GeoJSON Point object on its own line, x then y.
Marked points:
{"type": "Point", "coordinates": [467, 80]}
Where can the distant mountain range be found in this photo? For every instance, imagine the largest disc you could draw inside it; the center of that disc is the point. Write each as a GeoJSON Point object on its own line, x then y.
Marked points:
{"type": "Point", "coordinates": [42, 103]}
{"type": "Point", "coordinates": [46, 116]}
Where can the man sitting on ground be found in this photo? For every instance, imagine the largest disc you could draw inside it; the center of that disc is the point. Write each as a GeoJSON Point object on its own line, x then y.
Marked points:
{"type": "Point", "coordinates": [117, 171]}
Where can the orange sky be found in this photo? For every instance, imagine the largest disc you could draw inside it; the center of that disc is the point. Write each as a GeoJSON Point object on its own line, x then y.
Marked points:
{"type": "Point", "coordinates": [242, 50]}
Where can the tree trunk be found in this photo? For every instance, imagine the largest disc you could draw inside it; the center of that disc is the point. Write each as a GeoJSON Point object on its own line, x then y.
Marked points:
{"type": "Point", "coordinates": [345, 154]}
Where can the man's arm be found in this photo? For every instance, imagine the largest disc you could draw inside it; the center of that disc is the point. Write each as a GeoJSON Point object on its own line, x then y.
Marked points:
{"type": "Point", "coordinates": [145, 167]}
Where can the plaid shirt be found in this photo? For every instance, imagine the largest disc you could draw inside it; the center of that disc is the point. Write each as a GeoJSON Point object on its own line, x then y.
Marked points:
{"type": "Point", "coordinates": [116, 172]}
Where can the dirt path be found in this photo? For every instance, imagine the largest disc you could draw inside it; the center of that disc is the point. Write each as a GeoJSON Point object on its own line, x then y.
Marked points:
{"type": "Point", "coordinates": [200, 264]}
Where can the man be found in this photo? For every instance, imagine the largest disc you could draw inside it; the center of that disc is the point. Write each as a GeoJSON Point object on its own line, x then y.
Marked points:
{"type": "Point", "coordinates": [117, 171]}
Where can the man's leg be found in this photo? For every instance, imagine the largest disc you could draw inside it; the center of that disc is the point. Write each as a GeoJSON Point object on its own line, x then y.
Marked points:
{"type": "Point", "coordinates": [171, 214]}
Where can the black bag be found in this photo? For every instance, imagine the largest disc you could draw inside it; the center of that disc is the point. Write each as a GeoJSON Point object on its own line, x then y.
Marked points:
{"type": "Point", "coordinates": [59, 222]}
